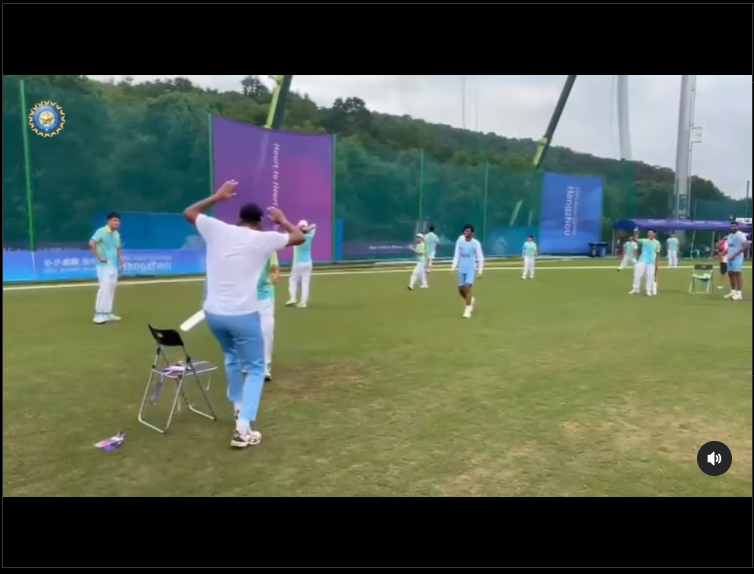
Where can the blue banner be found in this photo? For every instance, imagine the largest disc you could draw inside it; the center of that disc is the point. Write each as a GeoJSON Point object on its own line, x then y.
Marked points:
{"type": "Point", "coordinates": [146, 230]}
{"type": "Point", "coordinates": [571, 214]}
{"type": "Point", "coordinates": [41, 266]}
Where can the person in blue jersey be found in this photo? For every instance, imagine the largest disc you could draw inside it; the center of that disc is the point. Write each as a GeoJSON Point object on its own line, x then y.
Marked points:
{"type": "Point", "coordinates": [266, 297]}
{"type": "Point", "coordinates": [737, 242]}
{"type": "Point", "coordinates": [529, 252]}
{"type": "Point", "coordinates": [672, 245]}
{"type": "Point", "coordinates": [106, 247]}
{"type": "Point", "coordinates": [301, 270]}
{"type": "Point", "coordinates": [431, 241]}
{"type": "Point", "coordinates": [469, 261]}
{"type": "Point", "coordinates": [646, 267]}
{"type": "Point", "coordinates": [419, 274]}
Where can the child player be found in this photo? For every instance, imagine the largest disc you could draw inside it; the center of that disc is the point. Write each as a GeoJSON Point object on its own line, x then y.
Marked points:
{"type": "Point", "coordinates": [647, 265]}
{"type": "Point", "coordinates": [430, 241]}
{"type": "Point", "coordinates": [672, 246]}
{"type": "Point", "coordinates": [530, 253]}
{"type": "Point", "coordinates": [629, 253]}
{"type": "Point", "coordinates": [469, 261]}
{"type": "Point", "coordinates": [722, 251]}
{"type": "Point", "coordinates": [301, 270]}
{"type": "Point", "coordinates": [266, 297]}
{"type": "Point", "coordinates": [419, 274]}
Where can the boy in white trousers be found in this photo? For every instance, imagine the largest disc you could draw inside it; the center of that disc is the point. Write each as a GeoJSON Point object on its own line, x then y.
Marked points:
{"type": "Point", "coordinates": [672, 247]}
{"type": "Point", "coordinates": [530, 253]}
{"type": "Point", "coordinates": [266, 297]}
{"type": "Point", "coordinates": [106, 247]}
{"type": "Point", "coordinates": [646, 267]}
{"type": "Point", "coordinates": [419, 274]}
{"type": "Point", "coordinates": [301, 270]}
{"type": "Point", "coordinates": [629, 253]}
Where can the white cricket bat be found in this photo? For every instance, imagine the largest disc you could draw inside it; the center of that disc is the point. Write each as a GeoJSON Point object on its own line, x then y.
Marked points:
{"type": "Point", "coordinates": [192, 321]}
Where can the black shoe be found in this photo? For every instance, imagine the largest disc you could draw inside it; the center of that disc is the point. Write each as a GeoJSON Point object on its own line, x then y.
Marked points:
{"type": "Point", "coordinates": [268, 378]}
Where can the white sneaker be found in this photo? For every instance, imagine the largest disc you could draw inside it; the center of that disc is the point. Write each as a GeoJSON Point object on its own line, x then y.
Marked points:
{"type": "Point", "coordinates": [112, 317]}
{"type": "Point", "coordinates": [301, 305]}
{"type": "Point", "coordinates": [633, 292]}
{"type": "Point", "coordinates": [251, 438]}
{"type": "Point", "coordinates": [650, 294]}
{"type": "Point", "coordinates": [410, 288]}
{"type": "Point", "coordinates": [737, 297]}
{"type": "Point", "coordinates": [99, 319]}
{"type": "Point", "coordinates": [730, 295]}
{"type": "Point", "coordinates": [524, 277]}
{"type": "Point", "coordinates": [425, 286]}
{"type": "Point", "coordinates": [467, 313]}
{"type": "Point", "coordinates": [291, 302]}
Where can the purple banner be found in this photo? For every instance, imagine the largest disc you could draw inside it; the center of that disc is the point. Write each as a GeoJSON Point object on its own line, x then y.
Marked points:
{"type": "Point", "coordinates": [289, 170]}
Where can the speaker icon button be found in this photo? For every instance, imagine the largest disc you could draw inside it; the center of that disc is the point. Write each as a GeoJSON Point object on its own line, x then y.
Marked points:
{"type": "Point", "coordinates": [714, 458]}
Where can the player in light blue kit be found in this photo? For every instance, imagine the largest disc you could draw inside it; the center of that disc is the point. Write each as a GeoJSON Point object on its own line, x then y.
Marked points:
{"type": "Point", "coordinates": [431, 241]}
{"type": "Point", "coordinates": [529, 252]}
{"type": "Point", "coordinates": [301, 270]}
{"type": "Point", "coordinates": [672, 246]}
{"type": "Point", "coordinates": [736, 248]}
{"type": "Point", "coordinates": [469, 261]}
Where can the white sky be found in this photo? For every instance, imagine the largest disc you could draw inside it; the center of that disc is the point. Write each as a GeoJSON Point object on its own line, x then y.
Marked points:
{"type": "Point", "coordinates": [520, 107]}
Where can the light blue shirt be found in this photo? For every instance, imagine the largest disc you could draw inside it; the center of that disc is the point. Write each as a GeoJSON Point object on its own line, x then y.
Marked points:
{"type": "Point", "coordinates": [672, 245]}
{"type": "Point", "coordinates": [649, 250]}
{"type": "Point", "coordinates": [468, 255]}
{"type": "Point", "coordinates": [431, 240]}
{"type": "Point", "coordinates": [303, 253]}
{"type": "Point", "coordinates": [265, 288]}
{"type": "Point", "coordinates": [530, 249]}
{"type": "Point", "coordinates": [736, 242]}
{"type": "Point", "coordinates": [108, 245]}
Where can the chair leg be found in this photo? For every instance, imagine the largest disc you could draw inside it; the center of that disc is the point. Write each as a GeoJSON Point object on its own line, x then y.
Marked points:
{"type": "Point", "coordinates": [211, 415]}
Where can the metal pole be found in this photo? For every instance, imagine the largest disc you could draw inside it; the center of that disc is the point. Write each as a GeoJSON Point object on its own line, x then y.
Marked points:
{"type": "Point", "coordinates": [544, 143]}
{"type": "Point", "coordinates": [624, 128]}
{"type": "Point", "coordinates": [680, 208]}
{"type": "Point", "coordinates": [27, 167]}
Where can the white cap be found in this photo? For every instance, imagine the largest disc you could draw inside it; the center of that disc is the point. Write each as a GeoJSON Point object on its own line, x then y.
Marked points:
{"type": "Point", "coordinates": [303, 223]}
{"type": "Point", "coordinates": [420, 235]}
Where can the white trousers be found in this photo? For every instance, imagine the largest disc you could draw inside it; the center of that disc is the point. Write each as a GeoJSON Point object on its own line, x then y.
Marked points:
{"type": "Point", "coordinates": [647, 272]}
{"type": "Point", "coordinates": [107, 276]}
{"type": "Point", "coordinates": [267, 321]}
{"type": "Point", "coordinates": [419, 275]}
{"type": "Point", "coordinates": [301, 273]}
{"type": "Point", "coordinates": [627, 262]}
{"type": "Point", "coordinates": [529, 264]}
{"type": "Point", "coordinates": [673, 258]}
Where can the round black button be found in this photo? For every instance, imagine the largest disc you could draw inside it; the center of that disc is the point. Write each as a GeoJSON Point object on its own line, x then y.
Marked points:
{"type": "Point", "coordinates": [714, 458]}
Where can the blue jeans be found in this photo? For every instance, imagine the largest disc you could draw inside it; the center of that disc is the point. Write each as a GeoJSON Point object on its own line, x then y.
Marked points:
{"type": "Point", "coordinates": [241, 340]}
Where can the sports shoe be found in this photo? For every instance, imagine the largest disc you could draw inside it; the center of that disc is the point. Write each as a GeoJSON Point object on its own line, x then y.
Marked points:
{"type": "Point", "coordinates": [467, 314]}
{"type": "Point", "coordinates": [291, 302]}
{"type": "Point", "coordinates": [301, 305]}
{"type": "Point", "coordinates": [268, 377]}
{"type": "Point", "coordinates": [410, 288]}
{"type": "Point", "coordinates": [737, 297]}
{"type": "Point", "coordinates": [730, 295]}
{"type": "Point", "coordinates": [99, 319]}
{"type": "Point", "coordinates": [523, 277]}
{"type": "Point", "coordinates": [250, 438]}
{"type": "Point", "coordinates": [633, 292]}
{"type": "Point", "coordinates": [112, 317]}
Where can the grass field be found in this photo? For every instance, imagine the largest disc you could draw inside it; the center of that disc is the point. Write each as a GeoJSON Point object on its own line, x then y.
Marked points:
{"type": "Point", "coordinates": [564, 386]}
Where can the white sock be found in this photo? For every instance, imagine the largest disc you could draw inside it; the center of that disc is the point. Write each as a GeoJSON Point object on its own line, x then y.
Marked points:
{"type": "Point", "coordinates": [242, 425]}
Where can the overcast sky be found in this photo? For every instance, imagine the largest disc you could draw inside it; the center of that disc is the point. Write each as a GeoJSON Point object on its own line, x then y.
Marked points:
{"type": "Point", "coordinates": [520, 106]}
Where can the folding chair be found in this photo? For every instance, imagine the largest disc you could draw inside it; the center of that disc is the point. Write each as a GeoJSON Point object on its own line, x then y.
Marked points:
{"type": "Point", "coordinates": [702, 280]}
{"type": "Point", "coordinates": [175, 374]}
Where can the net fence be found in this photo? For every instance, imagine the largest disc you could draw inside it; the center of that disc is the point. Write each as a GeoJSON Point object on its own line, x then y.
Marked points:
{"type": "Point", "coordinates": [154, 156]}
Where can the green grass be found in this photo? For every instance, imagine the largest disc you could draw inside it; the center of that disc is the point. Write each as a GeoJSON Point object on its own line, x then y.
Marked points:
{"type": "Point", "coordinates": [564, 386]}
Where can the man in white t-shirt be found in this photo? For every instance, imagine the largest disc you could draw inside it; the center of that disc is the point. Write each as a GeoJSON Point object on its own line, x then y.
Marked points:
{"type": "Point", "coordinates": [236, 256]}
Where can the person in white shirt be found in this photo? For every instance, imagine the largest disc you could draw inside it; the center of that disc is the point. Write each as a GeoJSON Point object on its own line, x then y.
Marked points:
{"type": "Point", "coordinates": [236, 256]}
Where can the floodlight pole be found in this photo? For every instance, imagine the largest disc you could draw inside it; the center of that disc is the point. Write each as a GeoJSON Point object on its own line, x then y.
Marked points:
{"type": "Point", "coordinates": [279, 99]}
{"type": "Point", "coordinates": [544, 143]}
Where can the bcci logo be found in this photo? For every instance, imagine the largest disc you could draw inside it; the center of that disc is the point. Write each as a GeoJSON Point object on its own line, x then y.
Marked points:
{"type": "Point", "coordinates": [46, 119]}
